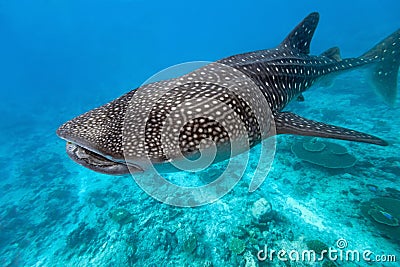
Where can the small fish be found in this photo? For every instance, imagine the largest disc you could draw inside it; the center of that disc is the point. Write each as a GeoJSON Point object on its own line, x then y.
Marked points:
{"type": "Point", "coordinates": [95, 139]}
{"type": "Point", "coordinates": [387, 215]}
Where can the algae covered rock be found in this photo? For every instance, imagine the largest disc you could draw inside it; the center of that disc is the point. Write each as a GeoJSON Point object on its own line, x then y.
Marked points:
{"type": "Point", "coordinates": [211, 175]}
{"type": "Point", "coordinates": [81, 236]}
{"type": "Point", "coordinates": [317, 245]}
{"type": "Point", "coordinates": [249, 259]}
{"type": "Point", "coordinates": [237, 245]}
{"type": "Point", "coordinates": [323, 153]}
{"type": "Point", "coordinates": [98, 202]}
{"type": "Point", "coordinates": [190, 243]}
{"type": "Point", "coordinates": [121, 216]}
{"type": "Point", "coordinates": [187, 239]}
{"type": "Point", "coordinates": [328, 263]}
{"type": "Point", "coordinates": [261, 210]}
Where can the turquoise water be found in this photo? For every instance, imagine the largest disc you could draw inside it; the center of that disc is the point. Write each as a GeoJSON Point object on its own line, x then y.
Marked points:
{"type": "Point", "coordinates": [62, 58]}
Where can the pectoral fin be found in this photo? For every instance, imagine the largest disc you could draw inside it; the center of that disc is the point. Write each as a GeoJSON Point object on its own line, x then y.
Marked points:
{"type": "Point", "coordinates": [290, 123]}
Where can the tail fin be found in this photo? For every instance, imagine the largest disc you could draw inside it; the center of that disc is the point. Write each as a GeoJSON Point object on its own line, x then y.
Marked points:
{"type": "Point", "coordinates": [384, 74]}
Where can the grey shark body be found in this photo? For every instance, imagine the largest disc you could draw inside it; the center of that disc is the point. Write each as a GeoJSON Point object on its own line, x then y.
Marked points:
{"type": "Point", "coordinates": [95, 139]}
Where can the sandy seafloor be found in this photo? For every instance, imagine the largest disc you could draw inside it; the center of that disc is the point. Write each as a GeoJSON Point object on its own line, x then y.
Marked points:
{"type": "Point", "coordinates": [56, 213]}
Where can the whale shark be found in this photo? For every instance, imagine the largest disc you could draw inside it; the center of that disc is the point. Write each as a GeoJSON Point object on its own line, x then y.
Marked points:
{"type": "Point", "coordinates": [95, 139]}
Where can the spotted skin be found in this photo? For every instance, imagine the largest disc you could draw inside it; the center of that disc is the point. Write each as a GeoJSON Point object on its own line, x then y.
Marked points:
{"type": "Point", "coordinates": [100, 129]}
{"type": "Point", "coordinates": [210, 103]}
{"type": "Point", "coordinates": [95, 139]}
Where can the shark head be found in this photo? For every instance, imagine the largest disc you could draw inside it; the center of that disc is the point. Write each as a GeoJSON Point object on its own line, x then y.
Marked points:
{"type": "Point", "coordinates": [94, 139]}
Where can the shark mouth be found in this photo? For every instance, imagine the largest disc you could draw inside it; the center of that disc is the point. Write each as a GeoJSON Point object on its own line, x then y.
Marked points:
{"type": "Point", "coordinates": [97, 162]}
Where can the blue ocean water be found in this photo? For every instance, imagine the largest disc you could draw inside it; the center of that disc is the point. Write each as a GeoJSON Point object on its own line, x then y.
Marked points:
{"type": "Point", "coordinates": [62, 58]}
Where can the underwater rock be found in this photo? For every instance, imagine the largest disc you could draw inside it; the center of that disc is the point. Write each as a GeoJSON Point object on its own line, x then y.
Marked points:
{"type": "Point", "coordinates": [187, 240]}
{"type": "Point", "coordinates": [240, 232]}
{"type": "Point", "coordinates": [190, 243]}
{"type": "Point", "coordinates": [207, 263]}
{"type": "Point", "coordinates": [355, 191]}
{"type": "Point", "coordinates": [237, 245]}
{"type": "Point", "coordinates": [290, 235]}
{"type": "Point", "coordinates": [317, 245]}
{"type": "Point", "coordinates": [60, 194]}
{"type": "Point", "coordinates": [384, 213]}
{"type": "Point", "coordinates": [121, 216]}
{"type": "Point", "coordinates": [81, 236]}
{"type": "Point", "coordinates": [250, 260]}
{"type": "Point", "coordinates": [328, 263]}
{"type": "Point", "coordinates": [98, 202]}
{"type": "Point", "coordinates": [99, 198]}
{"type": "Point", "coordinates": [172, 213]}
{"type": "Point", "coordinates": [323, 153]}
{"type": "Point", "coordinates": [393, 192]}
{"type": "Point", "coordinates": [223, 236]}
{"type": "Point", "coordinates": [211, 175]}
{"type": "Point", "coordinates": [261, 210]}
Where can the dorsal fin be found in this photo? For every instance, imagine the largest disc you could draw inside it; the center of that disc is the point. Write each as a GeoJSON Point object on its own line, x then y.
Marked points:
{"type": "Point", "coordinates": [300, 38]}
{"type": "Point", "coordinates": [333, 53]}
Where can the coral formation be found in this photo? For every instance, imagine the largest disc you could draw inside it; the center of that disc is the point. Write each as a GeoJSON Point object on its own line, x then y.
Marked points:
{"type": "Point", "coordinates": [211, 175]}
{"type": "Point", "coordinates": [261, 210]}
{"type": "Point", "coordinates": [250, 260]}
{"type": "Point", "coordinates": [384, 213]}
{"type": "Point", "coordinates": [317, 245]}
{"type": "Point", "coordinates": [237, 245]}
{"type": "Point", "coordinates": [190, 243]}
{"type": "Point", "coordinates": [323, 153]}
{"type": "Point", "coordinates": [393, 192]}
{"type": "Point", "coordinates": [81, 236]}
{"type": "Point", "coordinates": [328, 263]}
{"type": "Point", "coordinates": [98, 202]}
{"type": "Point", "coordinates": [383, 217]}
{"type": "Point", "coordinates": [121, 216]}
{"type": "Point", "coordinates": [313, 145]}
